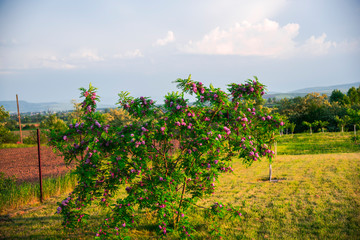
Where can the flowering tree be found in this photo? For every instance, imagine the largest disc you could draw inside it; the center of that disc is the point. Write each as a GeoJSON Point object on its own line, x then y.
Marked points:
{"type": "Point", "coordinates": [168, 160]}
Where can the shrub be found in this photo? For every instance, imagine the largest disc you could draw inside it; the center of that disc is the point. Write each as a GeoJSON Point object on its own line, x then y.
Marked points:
{"type": "Point", "coordinates": [142, 157]}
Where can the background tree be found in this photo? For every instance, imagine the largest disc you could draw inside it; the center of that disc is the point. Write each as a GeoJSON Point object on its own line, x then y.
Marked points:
{"type": "Point", "coordinates": [321, 124]}
{"type": "Point", "coordinates": [354, 95]}
{"type": "Point", "coordinates": [76, 113]}
{"type": "Point", "coordinates": [308, 124]}
{"type": "Point", "coordinates": [6, 136]}
{"type": "Point", "coordinates": [118, 117]}
{"type": "Point", "coordinates": [354, 119]}
{"type": "Point", "coordinates": [292, 127]}
{"type": "Point", "coordinates": [309, 108]}
{"type": "Point", "coordinates": [342, 122]}
{"type": "Point", "coordinates": [338, 96]}
{"type": "Point", "coordinates": [52, 122]}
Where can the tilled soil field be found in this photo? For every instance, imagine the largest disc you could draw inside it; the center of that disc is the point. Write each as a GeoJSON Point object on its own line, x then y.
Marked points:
{"type": "Point", "coordinates": [23, 163]}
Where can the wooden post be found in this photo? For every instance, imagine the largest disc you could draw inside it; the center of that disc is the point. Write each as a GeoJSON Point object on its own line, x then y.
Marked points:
{"type": "Point", "coordinates": [18, 109]}
{"type": "Point", "coordinates": [39, 157]}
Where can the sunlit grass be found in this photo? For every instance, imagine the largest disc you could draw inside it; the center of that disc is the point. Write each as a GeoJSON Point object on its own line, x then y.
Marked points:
{"type": "Point", "coordinates": [316, 197]}
{"type": "Point", "coordinates": [304, 143]}
{"type": "Point", "coordinates": [14, 195]}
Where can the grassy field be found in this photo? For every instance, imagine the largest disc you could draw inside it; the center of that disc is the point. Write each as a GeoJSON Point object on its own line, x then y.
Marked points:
{"type": "Point", "coordinates": [316, 143]}
{"type": "Point", "coordinates": [315, 197]}
{"type": "Point", "coordinates": [14, 195]}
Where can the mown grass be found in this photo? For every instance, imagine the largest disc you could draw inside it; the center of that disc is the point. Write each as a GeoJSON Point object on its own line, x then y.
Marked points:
{"type": "Point", "coordinates": [315, 197]}
{"type": "Point", "coordinates": [316, 143]}
{"type": "Point", "coordinates": [14, 195]}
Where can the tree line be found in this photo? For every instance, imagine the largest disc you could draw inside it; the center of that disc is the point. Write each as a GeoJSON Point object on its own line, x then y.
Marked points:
{"type": "Point", "coordinates": [314, 112]}
{"type": "Point", "coordinates": [319, 112]}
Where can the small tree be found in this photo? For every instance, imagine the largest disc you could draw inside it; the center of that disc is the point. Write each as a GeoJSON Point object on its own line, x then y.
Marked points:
{"type": "Point", "coordinates": [354, 119]}
{"type": "Point", "coordinates": [292, 127]}
{"type": "Point", "coordinates": [308, 124]}
{"type": "Point", "coordinates": [321, 124]}
{"type": "Point", "coordinates": [342, 122]}
{"type": "Point", "coordinates": [161, 179]}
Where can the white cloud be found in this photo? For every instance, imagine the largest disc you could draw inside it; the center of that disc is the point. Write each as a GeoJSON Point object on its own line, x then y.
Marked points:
{"type": "Point", "coordinates": [53, 62]}
{"type": "Point", "coordinates": [317, 45]}
{"type": "Point", "coordinates": [266, 38]}
{"type": "Point", "coordinates": [130, 54]}
{"type": "Point", "coordinates": [88, 54]}
{"type": "Point", "coordinates": [168, 39]}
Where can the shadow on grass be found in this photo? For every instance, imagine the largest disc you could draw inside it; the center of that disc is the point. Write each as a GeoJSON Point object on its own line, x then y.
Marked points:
{"type": "Point", "coordinates": [273, 180]}
{"type": "Point", "coordinates": [32, 228]}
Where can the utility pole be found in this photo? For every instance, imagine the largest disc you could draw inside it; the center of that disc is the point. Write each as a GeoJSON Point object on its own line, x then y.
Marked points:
{"type": "Point", "coordinates": [17, 102]}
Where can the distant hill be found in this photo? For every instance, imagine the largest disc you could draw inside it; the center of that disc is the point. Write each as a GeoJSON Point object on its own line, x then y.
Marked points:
{"type": "Point", "coordinates": [26, 107]}
{"type": "Point", "coordinates": [302, 92]}
{"type": "Point", "coordinates": [328, 89]}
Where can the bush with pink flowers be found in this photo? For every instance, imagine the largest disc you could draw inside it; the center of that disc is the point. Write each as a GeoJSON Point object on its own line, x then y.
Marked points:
{"type": "Point", "coordinates": [168, 160]}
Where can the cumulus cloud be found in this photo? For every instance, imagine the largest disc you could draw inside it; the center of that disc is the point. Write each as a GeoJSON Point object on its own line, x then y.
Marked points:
{"type": "Point", "coordinates": [168, 39]}
{"type": "Point", "coordinates": [266, 38]}
{"type": "Point", "coordinates": [317, 45]}
{"type": "Point", "coordinates": [130, 54]}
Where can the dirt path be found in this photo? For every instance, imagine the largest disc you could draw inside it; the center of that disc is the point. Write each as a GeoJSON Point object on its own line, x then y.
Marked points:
{"type": "Point", "coordinates": [23, 163]}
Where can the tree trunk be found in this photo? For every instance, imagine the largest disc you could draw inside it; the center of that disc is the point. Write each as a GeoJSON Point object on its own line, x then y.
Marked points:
{"type": "Point", "coordinates": [270, 172]}
{"type": "Point", "coordinates": [355, 132]}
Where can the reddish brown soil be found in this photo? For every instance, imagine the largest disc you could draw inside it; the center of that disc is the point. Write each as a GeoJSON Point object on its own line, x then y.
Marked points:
{"type": "Point", "coordinates": [24, 164]}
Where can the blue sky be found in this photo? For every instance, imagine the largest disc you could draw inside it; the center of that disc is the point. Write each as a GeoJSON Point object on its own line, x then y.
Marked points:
{"type": "Point", "coordinates": [48, 49]}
